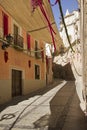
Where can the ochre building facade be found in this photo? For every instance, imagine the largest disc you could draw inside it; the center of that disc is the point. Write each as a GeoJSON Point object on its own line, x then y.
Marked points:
{"type": "Point", "coordinates": [22, 70]}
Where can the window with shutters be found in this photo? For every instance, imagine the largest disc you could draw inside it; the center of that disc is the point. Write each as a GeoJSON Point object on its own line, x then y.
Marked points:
{"type": "Point", "coordinates": [37, 72]}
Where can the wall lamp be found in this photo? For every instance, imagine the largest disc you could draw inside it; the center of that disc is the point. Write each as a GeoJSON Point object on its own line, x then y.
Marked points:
{"type": "Point", "coordinates": [7, 42]}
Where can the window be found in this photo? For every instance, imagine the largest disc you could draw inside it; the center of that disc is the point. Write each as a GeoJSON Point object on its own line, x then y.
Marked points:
{"type": "Point", "coordinates": [36, 48]}
{"type": "Point", "coordinates": [15, 34]}
{"type": "Point", "coordinates": [18, 40]}
{"type": "Point", "coordinates": [38, 52]}
{"type": "Point", "coordinates": [37, 72]}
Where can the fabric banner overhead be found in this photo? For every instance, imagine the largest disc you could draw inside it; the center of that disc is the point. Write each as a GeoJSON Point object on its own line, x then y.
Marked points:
{"type": "Point", "coordinates": [34, 23]}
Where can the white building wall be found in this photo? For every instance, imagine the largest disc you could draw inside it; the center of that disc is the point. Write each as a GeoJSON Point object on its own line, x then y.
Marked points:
{"type": "Point", "coordinates": [76, 58]}
{"type": "Point", "coordinates": [73, 27]}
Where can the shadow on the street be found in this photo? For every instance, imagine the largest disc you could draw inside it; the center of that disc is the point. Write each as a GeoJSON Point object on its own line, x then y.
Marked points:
{"type": "Point", "coordinates": [42, 122]}
{"type": "Point", "coordinates": [59, 106]}
{"type": "Point", "coordinates": [7, 116]}
{"type": "Point", "coordinates": [42, 91]}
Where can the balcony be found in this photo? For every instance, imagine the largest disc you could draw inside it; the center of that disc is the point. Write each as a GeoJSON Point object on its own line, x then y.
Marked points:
{"type": "Point", "coordinates": [18, 42]}
{"type": "Point", "coordinates": [38, 53]}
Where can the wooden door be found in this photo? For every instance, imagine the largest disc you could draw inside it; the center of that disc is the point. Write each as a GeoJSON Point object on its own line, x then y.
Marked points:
{"type": "Point", "coordinates": [16, 83]}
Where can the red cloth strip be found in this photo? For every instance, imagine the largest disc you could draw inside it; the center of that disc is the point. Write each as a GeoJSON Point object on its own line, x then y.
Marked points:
{"type": "Point", "coordinates": [50, 27]}
{"type": "Point", "coordinates": [53, 3]}
{"type": "Point", "coordinates": [35, 3]}
{"type": "Point", "coordinates": [39, 3]}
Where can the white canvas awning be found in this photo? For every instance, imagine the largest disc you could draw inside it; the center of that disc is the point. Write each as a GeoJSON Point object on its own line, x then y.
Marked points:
{"type": "Point", "coordinates": [34, 23]}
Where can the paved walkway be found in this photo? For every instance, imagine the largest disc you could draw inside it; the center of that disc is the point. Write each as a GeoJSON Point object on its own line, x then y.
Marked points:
{"type": "Point", "coordinates": [56, 109]}
{"type": "Point", "coordinates": [68, 112]}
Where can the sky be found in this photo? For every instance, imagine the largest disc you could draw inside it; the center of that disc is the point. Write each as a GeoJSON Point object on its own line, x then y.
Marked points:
{"type": "Point", "coordinates": [66, 4]}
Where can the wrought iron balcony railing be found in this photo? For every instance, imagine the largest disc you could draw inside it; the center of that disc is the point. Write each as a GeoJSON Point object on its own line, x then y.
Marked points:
{"type": "Point", "coordinates": [18, 41]}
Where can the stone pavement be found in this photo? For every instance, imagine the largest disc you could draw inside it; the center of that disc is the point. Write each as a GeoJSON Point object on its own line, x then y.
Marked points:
{"type": "Point", "coordinates": [56, 109]}
{"type": "Point", "coordinates": [68, 112]}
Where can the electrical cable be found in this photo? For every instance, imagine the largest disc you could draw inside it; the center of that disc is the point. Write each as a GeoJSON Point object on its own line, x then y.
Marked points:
{"type": "Point", "coordinates": [60, 7]}
{"type": "Point", "coordinates": [38, 29]}
{"type": "Point", "coordinates": [61, 12]}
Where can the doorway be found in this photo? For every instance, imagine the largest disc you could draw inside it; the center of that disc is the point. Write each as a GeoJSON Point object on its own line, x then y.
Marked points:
{"type": "Point", "coordinates": [16, 83]}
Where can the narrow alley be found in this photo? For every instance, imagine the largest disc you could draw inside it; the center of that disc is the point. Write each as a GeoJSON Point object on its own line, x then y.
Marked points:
{"type": "Point", "coordinates": [56, 109]}
{"type": "Point", "coordinates": [43, 65]}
